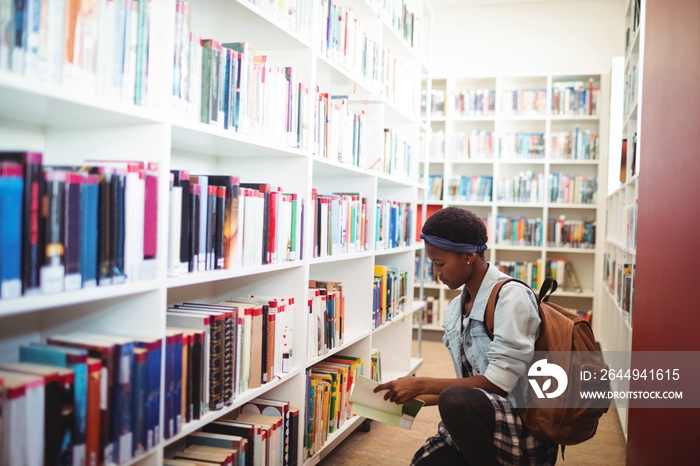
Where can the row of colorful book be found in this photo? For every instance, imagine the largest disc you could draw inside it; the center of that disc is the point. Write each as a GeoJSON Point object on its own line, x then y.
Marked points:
{"type": "Point", "coordinates": [228, 86]}
{"type": "Point", "coordinates": [72, 227]}
{"type": "Point", "coordinates": [393, 224]}
{"type": "Point", "coordinates": [568, 233]}
{"type": "Point", "coordinates": [94, 47]}
{"type": "Point", "coordinates": [564, 145]}
{"type": "Point", "coordinates": [328, 387]}
{"type": "Point", "coordinates": [525, 186]}
{"type": "Point", "coordinates": [390, 288]}
{"type": "Point", "coordinates": [523, 102]}
{"type": "Point", "coordinates": [619, 278]}
{"type": "Point", "coordinates": [475, 188]}
{"type": "Point", "coordinates": [475, 145]}
{"type": "Point", "coordinates": [262, 432]}
{"type": "Point", "coordinates": [520, 145]}
{"type": "Point", "coordinates": [81, 399]}
{"type": "Point", "coordinates": [424, 267]}
{"type": "Point", "coordinates": [294, 14]}
{"type": "Point", "coordinates": [572, 189]}
{"type": "Point", "coordinates": [347, 130]}
{"type": "Point", "coordinates": [326, 317]}
{"type": "Point", "coordinates": [345, 40]}
{"type": "Point", "coordinates": [568, 99]}
{"type": "Point", "coordinates": [339, 130]}
{"type": "Point", "coordinates": [475, 102]}
{"type": "Point", "coordinates": [432, 313]}
{"type": "Point", "coordinates": [218, 222]}
{"type": "Point", "coordinates": [576, 98]}
{"type": "Point", "coordinates": [435, 183]}
{"type": "Point", "coordinates": [517, 231]}
{"type": "Point", "coordinates": [574, 145]}
{"type": "Point", "coordinates": [340, 223]}
{"type": "Point", "coordinates": [533, 273]}
{"type": "Point", "coordinates": [403, 19]}
{"type": "Point", "coordinates": [222, 350]}
{"type": "Point", "coordinates": [398, 155]}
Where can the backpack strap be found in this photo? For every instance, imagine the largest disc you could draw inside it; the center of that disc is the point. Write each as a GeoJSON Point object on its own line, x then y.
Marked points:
{"type": "Point", "coordinates": [549, 286]}
{"type": "Point", "coordinates": [491, 305]}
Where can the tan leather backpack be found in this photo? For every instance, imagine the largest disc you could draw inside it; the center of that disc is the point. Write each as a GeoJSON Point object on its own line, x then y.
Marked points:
{"type": "Point", "coordinates": [569, 342]}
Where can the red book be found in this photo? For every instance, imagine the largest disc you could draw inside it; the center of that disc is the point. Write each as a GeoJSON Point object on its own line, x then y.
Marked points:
{"type": "Point", "coordinates": [150, 221]}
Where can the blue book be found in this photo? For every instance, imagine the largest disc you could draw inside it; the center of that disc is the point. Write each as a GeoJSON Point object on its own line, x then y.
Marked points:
{"type": "Point", "coordinates": [117, 354]}
{"type": "Point", "coordinates": [174, 363]}
{"type": "Point", "coordinates": [169, 426]}
{"type": "Point", "coordinates": [227, 85]}
{"type": "Point", "coordinates": [155, 351]}
{"type": "Point", "coordinates": [11, 194]}
{"type": "Point", "coordinates": [88, 233]}
{"type": "Point", "coordinates": [71, 358]}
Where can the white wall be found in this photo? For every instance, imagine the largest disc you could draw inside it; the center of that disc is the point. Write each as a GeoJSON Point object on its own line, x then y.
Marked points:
{"type": "Point", "coordinates": [536, 38]}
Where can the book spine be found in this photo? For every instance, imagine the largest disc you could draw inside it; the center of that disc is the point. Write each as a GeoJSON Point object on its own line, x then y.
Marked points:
{"type": "Point", "coordinates": [150, 223]}
{"type": "Point", "coordinates": [216, 364]}
{"type": "Point", "coordinates": [73, 230]}
{"type": "Point", "coordinates": [229, 350]}
{"type": "Point", "coordinates": [11, 189]}
{"type": "Point", "coordinates": [33, 228]}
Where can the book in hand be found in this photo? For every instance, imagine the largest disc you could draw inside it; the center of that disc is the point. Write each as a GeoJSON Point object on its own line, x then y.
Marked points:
{"type": "Point", "coordinates": [372, 405]}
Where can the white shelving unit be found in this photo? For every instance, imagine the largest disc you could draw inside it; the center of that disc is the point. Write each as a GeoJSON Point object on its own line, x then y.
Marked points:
{"type": "Point", "coordinates": [70, 127]}
{"type": "Point", "coordinates": [615, 326]}
{"type": "Point", "coordinates": [450, 159]}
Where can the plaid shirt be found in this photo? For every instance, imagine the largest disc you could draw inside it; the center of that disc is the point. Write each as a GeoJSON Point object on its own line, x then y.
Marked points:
{"type": "Point", "coordinates": [513, 443]}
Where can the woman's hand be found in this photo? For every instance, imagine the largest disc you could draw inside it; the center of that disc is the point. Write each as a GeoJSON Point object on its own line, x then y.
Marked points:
{"type": "Point", "coordinates": [401, 390]}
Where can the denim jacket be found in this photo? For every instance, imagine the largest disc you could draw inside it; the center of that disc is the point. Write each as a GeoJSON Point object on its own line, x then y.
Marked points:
{"type": "Point", "coordinates": [516, 324]}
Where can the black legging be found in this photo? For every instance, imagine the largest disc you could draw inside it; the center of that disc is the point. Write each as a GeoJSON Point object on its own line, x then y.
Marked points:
{"type": "Point", "coordinates": [470, 419]}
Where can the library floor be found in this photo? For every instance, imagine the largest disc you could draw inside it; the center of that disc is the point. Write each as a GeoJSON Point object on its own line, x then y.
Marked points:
{"type": "Point", "coordinates": [386, 445]}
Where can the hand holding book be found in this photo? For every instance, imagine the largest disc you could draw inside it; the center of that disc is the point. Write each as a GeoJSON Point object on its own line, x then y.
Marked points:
{"type": "Point", "coordinates": [368, 401]}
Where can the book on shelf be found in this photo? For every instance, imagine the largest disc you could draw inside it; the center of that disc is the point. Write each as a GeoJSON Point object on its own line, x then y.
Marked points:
{"type": "Point", "coordinates": [282, 409]}
{"type": "Point", "coordinates": [172, 416]}
{"type": "Point", "coordinates": [59, 415]}
{"type": "Point", "coordinates": [623, 162]}
{"type": "Point", "coordinates": [193, 455]}
{"type": "Point", "coordinates": [327, 398]}
{"type": "Point", "coordinates": [11, 195]}
{"type": "Point", "coordinates": [367, 403]}
{"type": "Point", "coordinates": [223, 321]}
{"type": "Point", "coordinates": [230, 442]}
{"type": "Point", "coordinates": [274, 424]}
{"type": "Point", "coordinates": [256, 437]}
{"type": "Point", "coordinates": [571, 277]}
{"type": "Point", "coordinates": [284, 310]}
{"type": "Point", "coordinates": [77, 361]}
{"type": "Point", "coordinates": [116, 354]}
{"type": "Point", "coordinates": [23, 418]}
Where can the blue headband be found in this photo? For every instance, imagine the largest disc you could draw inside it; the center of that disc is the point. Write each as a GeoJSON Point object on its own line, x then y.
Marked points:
{"type": "Point", "coordinates": [448, 245]}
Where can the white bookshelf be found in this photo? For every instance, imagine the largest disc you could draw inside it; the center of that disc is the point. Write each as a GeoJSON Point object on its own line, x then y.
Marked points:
{"type": "Point", "coordinates": [69, 125]}
{"type": "Point", "coordinates": [615, 327]}
{"type": "Point", "coordinates": [454, 162]}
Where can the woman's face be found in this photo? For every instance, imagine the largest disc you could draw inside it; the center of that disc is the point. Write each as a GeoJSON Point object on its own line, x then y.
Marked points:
{"type": "Point", "coordinates": [451, 267]}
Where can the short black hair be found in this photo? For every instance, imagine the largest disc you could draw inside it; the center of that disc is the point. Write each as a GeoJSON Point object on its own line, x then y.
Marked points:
{"type": "Point", "coordinates": [457, 225]}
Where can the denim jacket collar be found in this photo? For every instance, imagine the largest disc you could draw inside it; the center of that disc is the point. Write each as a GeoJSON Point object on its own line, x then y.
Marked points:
{"type": "Point", "coordinates": [492, 276]}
